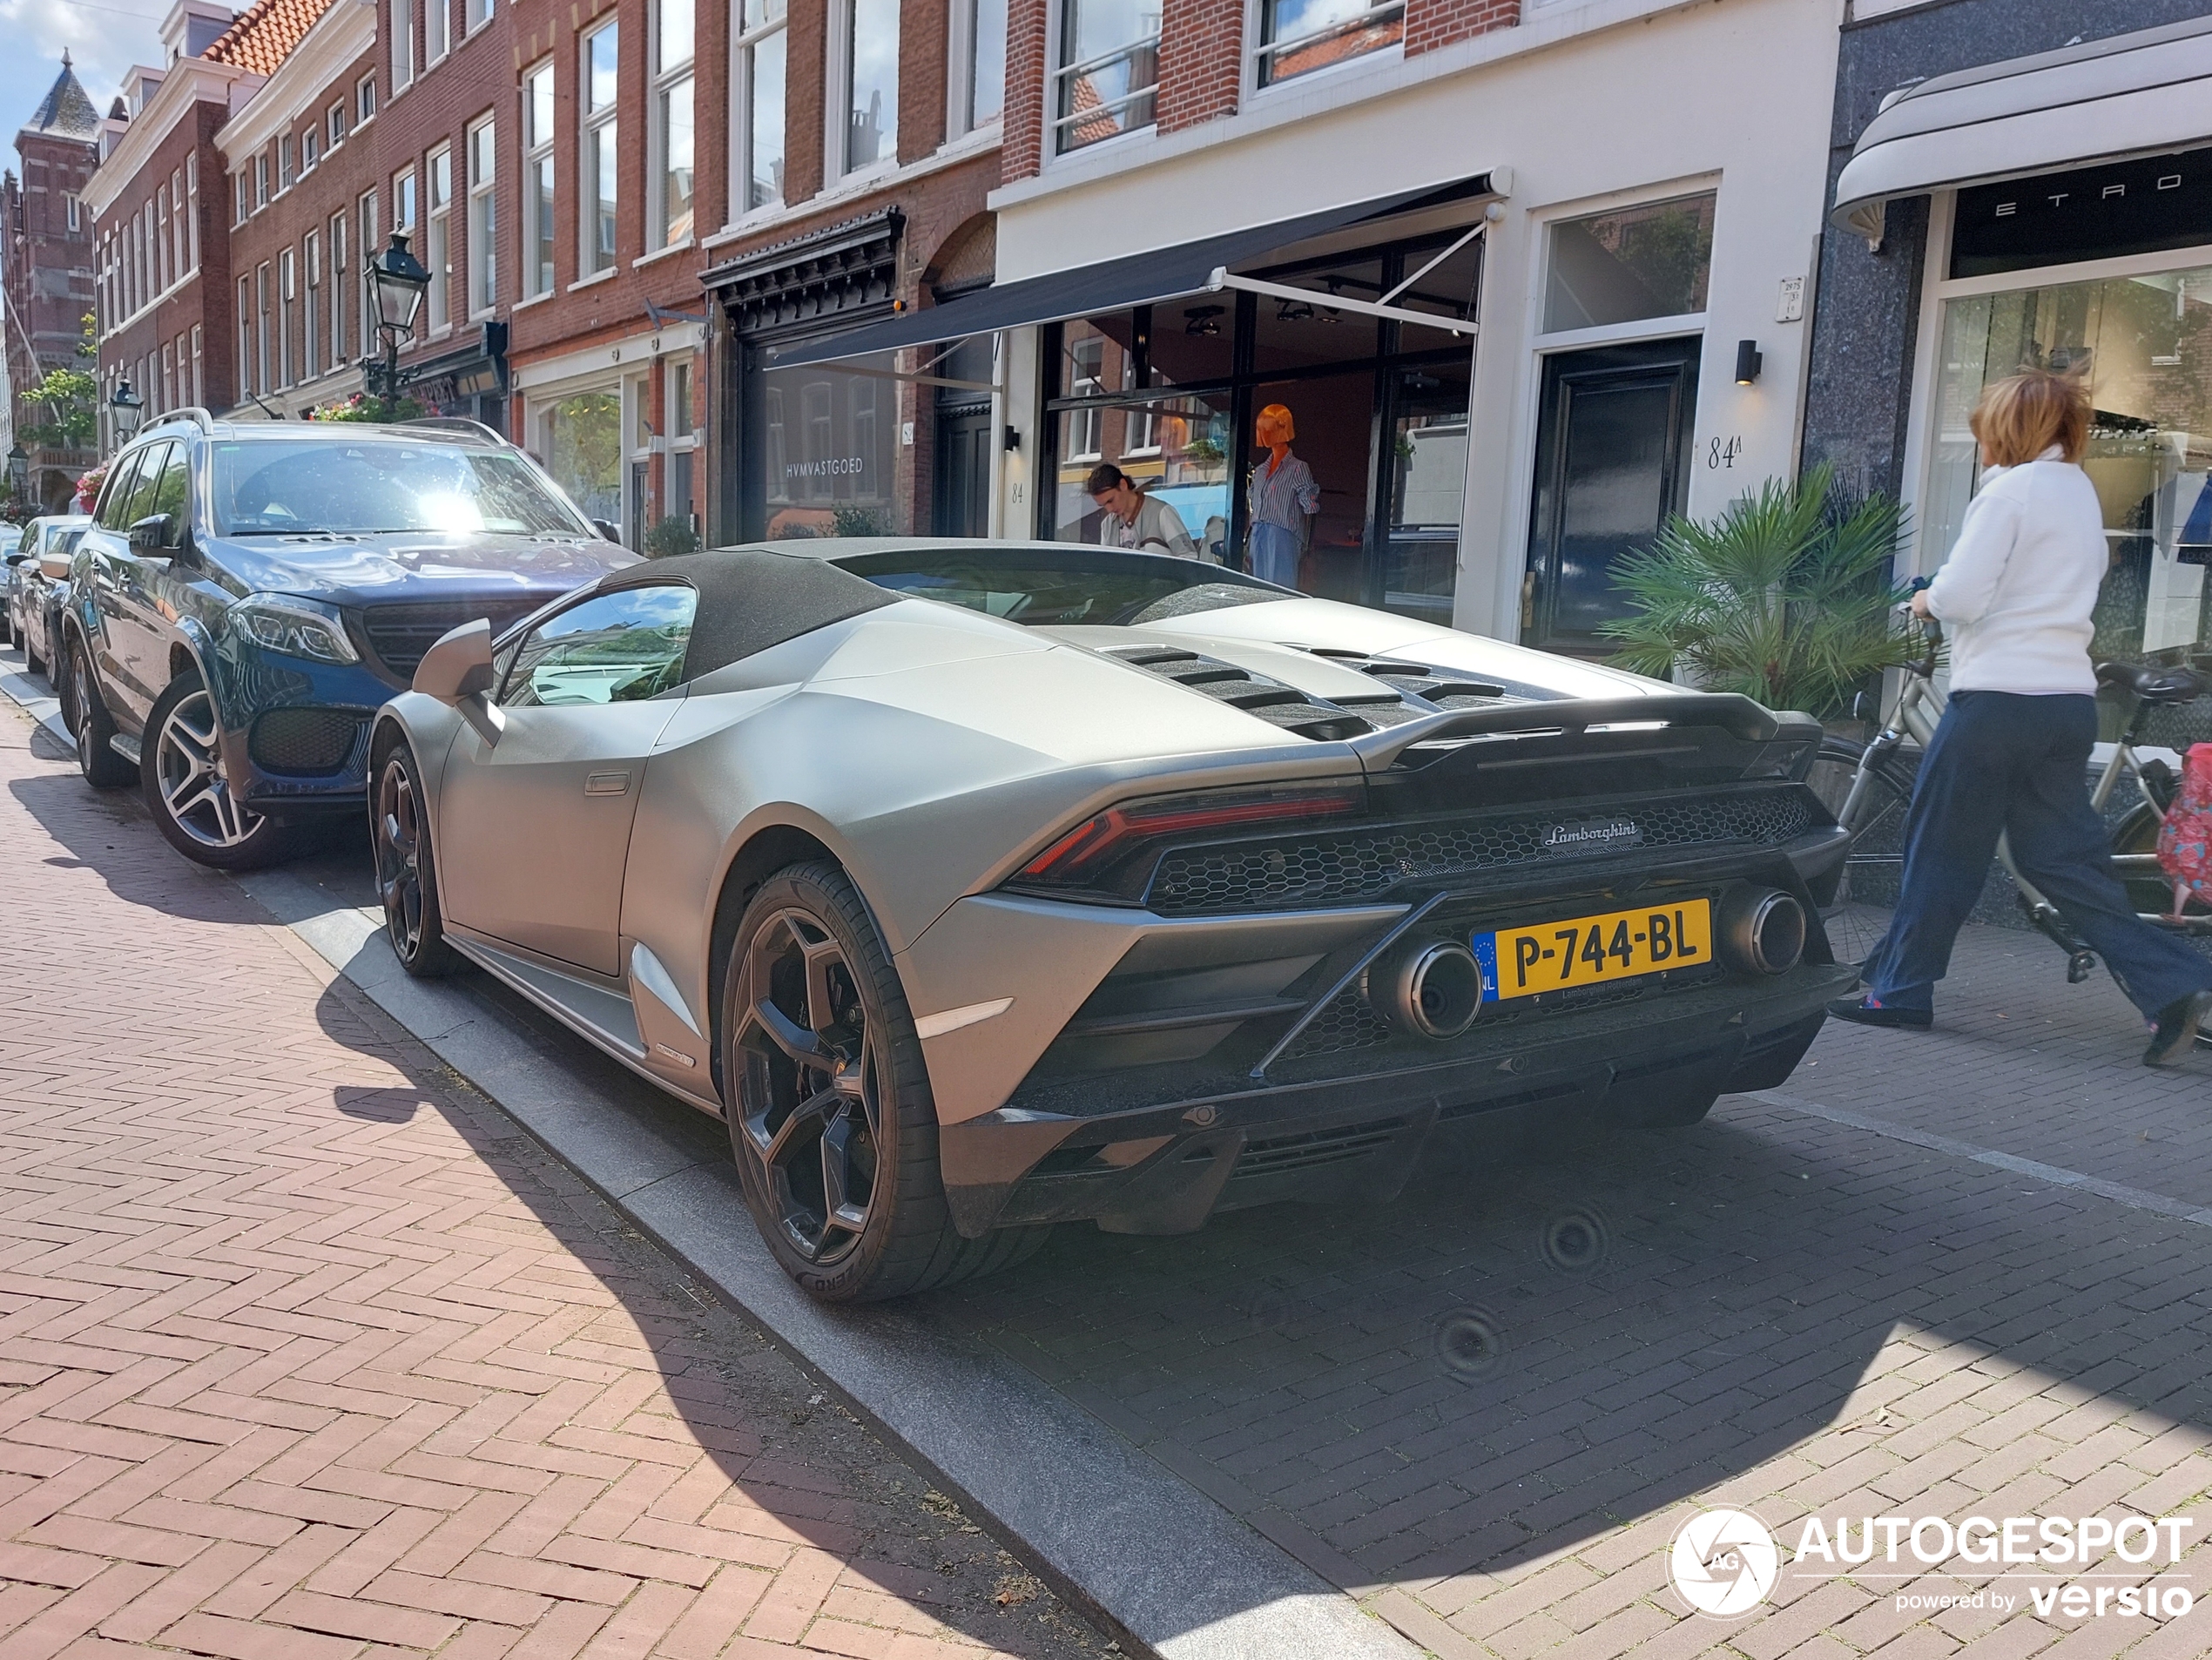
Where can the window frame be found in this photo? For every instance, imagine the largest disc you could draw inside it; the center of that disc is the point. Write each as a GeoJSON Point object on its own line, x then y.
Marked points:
{"type": "Point", "coordinates": [540, 228]}
{"type": "Point", "coordinates": [336, 126]}
{"type": "Point", "coordinates": [340, 272]}
{"type": "Point", "coordinates": [260, 178]}
{"type": "Point", "coordinates": [401, 59]}
{"type": "Point", "coordinates": [667, 79]}
{"type": "Point", "coordinates": [365, 99]}
{"type": "Point", "coordinates": [476, 14]}
{"type": "Point", "coordinates": [287, 299]}
{"type": "Point", "coordinates": [286, 168]}
{"type": "Point", "coordinates": [480, 234]}
{"type": "Point", "coordinates": [310, 309]}
{"type": "Point", "coordinates": [310, 147]}
{"type": "Point", "coordinates": [1062, 70]}
{"type": "Point", "coordinates": [590, 123]}
{"type": "Point", "coordinates": [744, 44]}
{"type": "Point", "coordinates": [437, 239]}
{"type": "Point", "coordinates": [437, 32]}
{"type": "Point", "coordinates": [960, 79]}
{"type": "Point", "coordinates": [1264, 50]}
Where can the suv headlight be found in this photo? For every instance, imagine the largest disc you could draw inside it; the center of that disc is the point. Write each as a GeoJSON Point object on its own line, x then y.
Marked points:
{"type": "Point", "coordinates": [296, 627]}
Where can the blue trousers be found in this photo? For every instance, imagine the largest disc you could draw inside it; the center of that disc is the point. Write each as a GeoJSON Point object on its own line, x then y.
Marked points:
{"type": "Point", "coordinates": [2002, 762]}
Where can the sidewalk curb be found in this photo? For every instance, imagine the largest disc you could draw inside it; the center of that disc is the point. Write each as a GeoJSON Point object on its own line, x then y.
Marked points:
{"type": "Point", "coordinates": [1121, 1534]}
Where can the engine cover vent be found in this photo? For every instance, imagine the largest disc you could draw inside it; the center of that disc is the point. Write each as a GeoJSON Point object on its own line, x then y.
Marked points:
{"type": "Point", "coordinates": [1270, 700]}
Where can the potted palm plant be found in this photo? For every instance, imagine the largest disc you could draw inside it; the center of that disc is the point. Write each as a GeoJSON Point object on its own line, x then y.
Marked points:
{"type": "Point", "coordinates": [1787, 596]}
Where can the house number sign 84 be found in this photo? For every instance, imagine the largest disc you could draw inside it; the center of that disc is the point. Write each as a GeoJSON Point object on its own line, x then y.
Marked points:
{"type": "Point", "coordinates": [1723, 452]}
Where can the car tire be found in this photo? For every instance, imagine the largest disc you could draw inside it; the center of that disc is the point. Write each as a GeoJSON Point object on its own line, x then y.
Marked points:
{"type": "Point", "coordinates": [407, 874]}
{"type": "Point", "coordinates": [180, 770]}
{"type": "Point", "coordinates": [31, 661]}
{"type": "Point", "coordinates": [818, 1099]}
{"type": "Point", "coordinates": [92, 725]}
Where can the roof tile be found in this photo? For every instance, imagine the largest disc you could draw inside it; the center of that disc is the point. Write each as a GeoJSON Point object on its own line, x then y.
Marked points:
{"type": "Point", "coordinates": [264, 34]}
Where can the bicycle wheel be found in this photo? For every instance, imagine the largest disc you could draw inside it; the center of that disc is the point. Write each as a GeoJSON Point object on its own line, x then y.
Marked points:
{"type": "Point", "coordinates": [1856, 915]}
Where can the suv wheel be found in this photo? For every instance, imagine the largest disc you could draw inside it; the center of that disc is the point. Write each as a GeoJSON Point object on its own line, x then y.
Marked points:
{"type": "Point", "coordinates": [91, 723]}
{"type": "Point", "coordinates": [181, 769]}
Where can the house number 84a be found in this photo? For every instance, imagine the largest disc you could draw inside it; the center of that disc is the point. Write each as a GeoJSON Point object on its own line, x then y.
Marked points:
{"type": "Point", "coordinates": [1723, 452]}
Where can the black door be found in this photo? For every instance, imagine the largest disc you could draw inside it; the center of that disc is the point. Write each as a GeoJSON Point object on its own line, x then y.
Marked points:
{"type": "Point", "coordinates": [963, 493]}
{"type": "Point", "coordinates": [1612, 465]}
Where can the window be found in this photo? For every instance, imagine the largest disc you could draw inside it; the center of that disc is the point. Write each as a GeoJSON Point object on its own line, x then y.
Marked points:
{"type": "Point", "coordinates": [261, 364]}
{"type": "Point", "coordinates": [333, 121]}
{"type": "Point", "coordinates": [311, 306]}
{"type": "Point", "coordinates": [871, 62]}
{"type": "Point", "coordinates": [284, 163]}
{"type": "Point", "coordinates": [403, 202]}
{"type": "Point", "coordinates": [163, 274]}
{"type": "Point", "coordinates": [601, 165]}
{"type": "Point", "coordinates": [165, 398]}
{"type": "Point", "coordinates": [198, 386]}
{"type": "Point", "coordinates": [616, 648]}
{"type": "Point", "coordinates": [672, 89]}
{"type": "Point", "coordinates": [310, 147]}
{"type": "Point", "coordinates": [438, 251]}
{"type": "Point", "coordinates": [245, 370]}
{"type": "Point", "coordinates": [757, 104]}
{"type": "Point", "coordinates": [483, 269]}
{"type": "Point", "coordinates": [403, 46]}
{"type": "Point", "coordinates": [369, 344]}
{"type": "Point", "coordinates": [1649, 261]}
{"type": "Point", "coordinates": [365, 99]}
{"type": "Point", "coordinates": [260, 180]}
{"type": "Point", "coordinates": [979, 64]}
{"type": "Point", "coordinates": [479, 14]}
{"type": "Point", "coordinates": [287, 297]}
{"type": "Point", "coordinates": [1297, 37]}
{"type": "Point", "coordinates": [338, 272]}
{"type": "Point", "coordinates": [184, 191]}
{"type": "Point", "coordinates": [171, 494]}
{"type": "Point", "coordinates": [69, 205]}
{"type": "Point", "coordinates": [1109, 69]}
{"type": "Point", "coordinates": [437, 30]}
{"type": "Point", "coordinates": [537, 181]}
{"type": "Point", "coordinates": [115, 495]}
{"type": "Point", "coordinates": [238, 198]}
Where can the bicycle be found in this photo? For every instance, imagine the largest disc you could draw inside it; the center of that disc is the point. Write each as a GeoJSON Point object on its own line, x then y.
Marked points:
{"type": "Point", "coordinates": [1868, 788]}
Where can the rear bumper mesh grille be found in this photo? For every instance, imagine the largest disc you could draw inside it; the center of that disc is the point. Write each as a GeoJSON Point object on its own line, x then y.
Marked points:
{"type": "Point", "coordinates": [1342, 866]}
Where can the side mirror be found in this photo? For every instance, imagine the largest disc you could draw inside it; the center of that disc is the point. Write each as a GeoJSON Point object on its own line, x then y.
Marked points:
{"type": "Point", "coordinates": [54, 566]}
{"type": "Point", "coordinates": [457, 671]}
{"type": "Point", "coordinates": [15, 559]}
{"type": "Point", "coordinates": [151, 534]}
{"type": "Point", "coordinates": [608, 529]}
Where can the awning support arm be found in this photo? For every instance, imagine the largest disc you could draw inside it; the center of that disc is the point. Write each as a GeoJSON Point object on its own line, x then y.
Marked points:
{"type": "Point", "coordinates": [1473, 231]}
{"type": "Point", "coordinates": [908, 377]}
{"type": "Point", "coordinates": [1222, 278]}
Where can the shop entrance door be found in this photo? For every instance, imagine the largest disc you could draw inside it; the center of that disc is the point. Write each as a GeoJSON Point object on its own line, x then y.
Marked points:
{"type": "Point", "coordinates": [1612, 465]}
{"type": "Point", "coordinates": [962, 506]}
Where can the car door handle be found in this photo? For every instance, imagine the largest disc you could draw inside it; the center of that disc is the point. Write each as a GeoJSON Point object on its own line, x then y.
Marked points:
{"type": "Point", "coordinates": [606, 784]}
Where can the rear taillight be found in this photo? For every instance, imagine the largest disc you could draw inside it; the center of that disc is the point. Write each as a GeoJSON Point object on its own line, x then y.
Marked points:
{"type": "Point", "coordinates": [1110, 855]}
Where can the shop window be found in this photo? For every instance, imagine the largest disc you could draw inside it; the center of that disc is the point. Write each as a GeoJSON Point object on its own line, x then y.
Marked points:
{"type": "Point", "coordinates": [537, 181]}
{"type": "Point", "coordinates": [1427, 490]}
{"type": "Point", "coordinates": [828, 459]}
{"type": "Point", "coordinates": [1298, 36]}
{"type": "Point", "coordinates": [978, 56]}
{"type": "Point", "coordinates": [601, 161]}
{"type": "Point", "coordinates": [871, 84]}
{"type": "Point", "coordinates": [483, 225]}
{"type": "Point", "coordinates": [2144, 346]}
{"type": "Point", "coordinates": [672, 91]}
{"type": "Point", "coordinates": [1108, 70]}
{"type": "Point", "coordinates": [1629, 264]}
{"type": "Point", "coordinates": [583, 451]}
{"type": "Point", "coordinates": [438, 249]}
{"type": "Point", "coordinates": [1192, 341]}
{"type": "Point", "coordinates": [757, 94]}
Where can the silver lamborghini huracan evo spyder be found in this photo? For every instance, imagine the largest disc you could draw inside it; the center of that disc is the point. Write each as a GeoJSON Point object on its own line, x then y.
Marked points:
{"type": "Point", "coordinates": [979, 887]}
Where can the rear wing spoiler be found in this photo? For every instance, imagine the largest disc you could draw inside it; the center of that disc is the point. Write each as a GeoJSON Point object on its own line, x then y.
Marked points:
{"type": "Point", "coordinates": [1729, 711]}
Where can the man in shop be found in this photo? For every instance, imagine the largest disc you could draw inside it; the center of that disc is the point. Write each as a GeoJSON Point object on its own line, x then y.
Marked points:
{"type": "Point", "coordinates": [1135, 520]}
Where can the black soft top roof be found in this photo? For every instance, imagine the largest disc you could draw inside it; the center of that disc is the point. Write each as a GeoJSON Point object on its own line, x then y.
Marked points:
{"type": "Point", "coordinates": [751, 599]}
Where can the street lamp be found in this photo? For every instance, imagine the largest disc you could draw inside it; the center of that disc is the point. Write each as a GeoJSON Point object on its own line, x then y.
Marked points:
{"type": "Point", "coordinates": [126, 409]}
{"type": "Point", "coordinates": [397, 281]}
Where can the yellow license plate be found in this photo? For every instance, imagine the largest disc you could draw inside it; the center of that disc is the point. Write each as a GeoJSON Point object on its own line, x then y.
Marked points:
{"type": "Point", "coordinates": [1591, 950]}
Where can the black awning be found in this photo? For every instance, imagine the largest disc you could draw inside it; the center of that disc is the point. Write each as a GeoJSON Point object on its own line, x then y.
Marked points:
{"type": "Point", "coordinates": [1114, 285]}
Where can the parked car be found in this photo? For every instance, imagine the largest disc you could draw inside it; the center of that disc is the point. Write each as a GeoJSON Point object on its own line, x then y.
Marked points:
{"type": "Point", "coordinates": [10, 543]}
{"type": "Point", "coordinates": [979, 888]}
{"type": "Point", "coordinates": [247, 593]}
{"type": "Point", "coordinates": [38, 587]}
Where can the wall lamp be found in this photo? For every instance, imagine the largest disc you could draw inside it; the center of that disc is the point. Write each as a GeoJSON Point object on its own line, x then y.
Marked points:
{"type": "Point", "coordinates": [1012, 438]}
{"type": "Point", "coordinates": [1748, 359]}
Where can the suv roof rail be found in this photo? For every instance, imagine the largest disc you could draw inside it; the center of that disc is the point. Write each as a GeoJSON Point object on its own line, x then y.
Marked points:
{"type": "Point", "coordinates": [455, 423]}
{"type": "Point", "coordinates": [191, 412]}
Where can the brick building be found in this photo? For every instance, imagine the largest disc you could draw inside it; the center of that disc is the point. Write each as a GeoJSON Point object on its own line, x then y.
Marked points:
{"type": "Point", "coordinates": [46, 279]}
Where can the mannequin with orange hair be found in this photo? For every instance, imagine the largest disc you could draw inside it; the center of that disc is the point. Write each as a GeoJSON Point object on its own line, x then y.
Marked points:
{"type": "Point", "coordinates": [1284, 500]}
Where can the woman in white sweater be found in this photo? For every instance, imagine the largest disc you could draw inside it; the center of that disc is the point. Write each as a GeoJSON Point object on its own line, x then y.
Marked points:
{"type": "Point", "coordinates": [2011, 755]}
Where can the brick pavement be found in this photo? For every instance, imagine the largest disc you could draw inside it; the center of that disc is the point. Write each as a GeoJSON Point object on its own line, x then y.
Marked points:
{"type": "Point", "coordinates": [307, 1351]}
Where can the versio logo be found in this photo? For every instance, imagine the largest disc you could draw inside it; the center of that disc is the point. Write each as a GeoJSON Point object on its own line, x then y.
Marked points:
{"type": "Point", "coordinates": [1724, 1562]}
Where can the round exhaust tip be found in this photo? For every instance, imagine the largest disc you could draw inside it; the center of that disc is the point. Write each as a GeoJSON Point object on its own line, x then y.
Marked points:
{"type": "Point", "coordinates": [1433, 989]}
{"type": "Point", "coordinates": [1761, 929]}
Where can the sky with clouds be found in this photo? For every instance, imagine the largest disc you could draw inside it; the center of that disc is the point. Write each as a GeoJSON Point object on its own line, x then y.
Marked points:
{"type": "Point", "coordinates": [103, 38]}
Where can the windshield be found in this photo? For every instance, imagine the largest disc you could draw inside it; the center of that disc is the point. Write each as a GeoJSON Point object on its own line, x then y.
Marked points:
{"type": "Point", "coordinates": [1049, 590]}
{"type": "Point", "coordinates": [361, 487]}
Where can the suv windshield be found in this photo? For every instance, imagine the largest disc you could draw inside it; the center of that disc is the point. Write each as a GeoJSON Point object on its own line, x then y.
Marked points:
{"type": "Point", "coordinates": [1051, 590]}
{"type": "Point", "coordinates": [359, 487]}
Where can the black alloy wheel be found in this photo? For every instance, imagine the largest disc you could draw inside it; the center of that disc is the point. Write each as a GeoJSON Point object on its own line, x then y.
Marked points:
{"type": "Point", "coordinates": [833, 1124]}
{"type": "Point", "coordinates": [92, 725]}
{"type": "Point", "coordinates": [406, 876]}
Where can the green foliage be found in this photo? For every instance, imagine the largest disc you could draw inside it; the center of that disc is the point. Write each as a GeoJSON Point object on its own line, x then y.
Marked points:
{"type": "Point", "coordinates": [672, 534]}
{"type": "Point", "coordinates": [362, 407]}
{"type": "Point", "coordinates": [71, 398]}
{"type": "Point", "coordinates": [852, 520]}
{"type": "Point", "coordinates": [1786, 597]}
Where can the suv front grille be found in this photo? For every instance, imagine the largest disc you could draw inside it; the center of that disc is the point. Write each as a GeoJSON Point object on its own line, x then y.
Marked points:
{"type": "Point", "coordinates": [308, 743]}
{"type": "Point", "coordinates": [1336, 866]}
{"type": "Point", "coordinates": [400, 633]}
